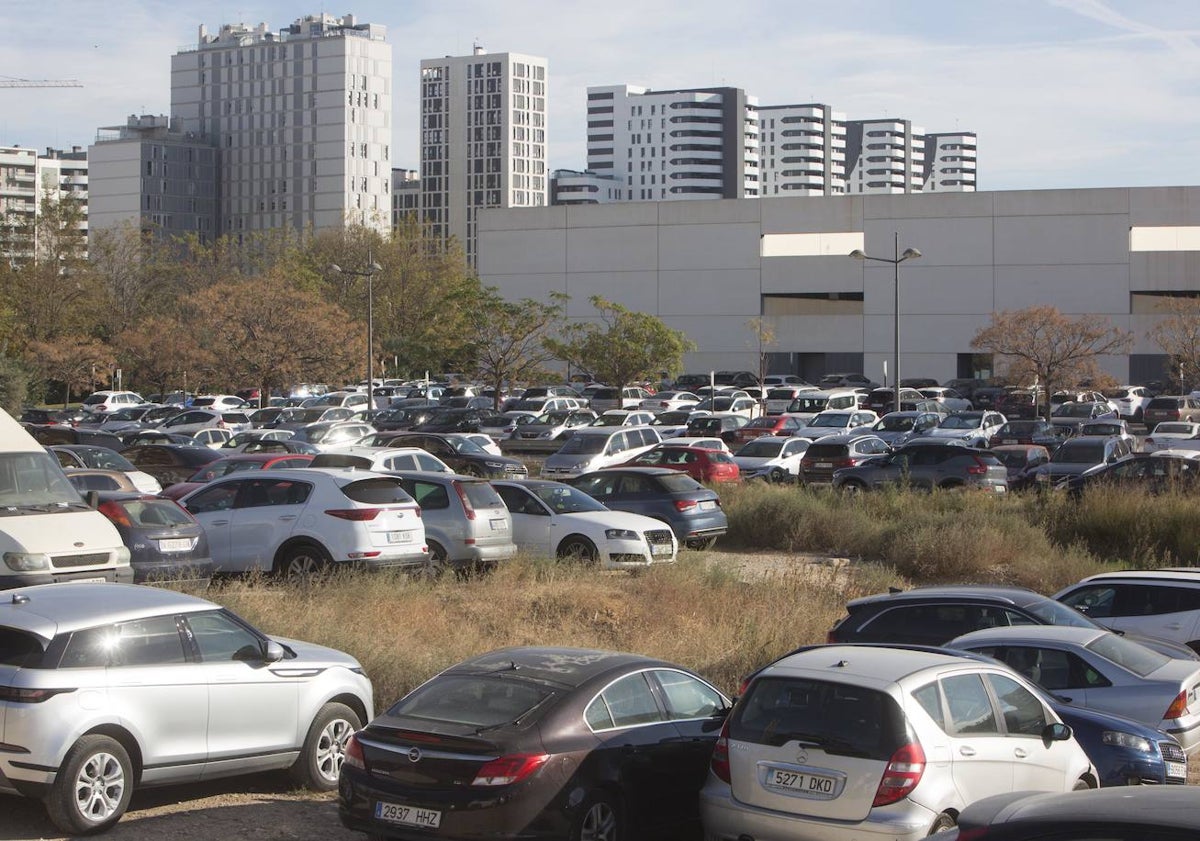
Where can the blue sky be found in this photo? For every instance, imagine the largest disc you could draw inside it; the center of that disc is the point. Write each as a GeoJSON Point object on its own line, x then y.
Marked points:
{"type": "Point", "coordinates": [1062, 93]}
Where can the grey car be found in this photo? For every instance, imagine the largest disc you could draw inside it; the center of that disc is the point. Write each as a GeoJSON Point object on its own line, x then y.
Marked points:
{"type": "Point", "coordinates": [104, 687]}
{"type": "Point", "coordinates": [928, 464]}
{"type": "Point", "coordinates": [1077, 456]}
{"type": "Point", "coordinates": [466, 522]}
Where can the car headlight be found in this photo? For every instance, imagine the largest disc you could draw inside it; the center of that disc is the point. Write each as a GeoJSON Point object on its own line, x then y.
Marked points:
{"type": "Point", "coordinates": [620, 534]}
{"type": "Point", "coordinates": [1126, 740]}
{"type": "Point", "coordinates": [1042, 477]}
{"type": "Point", "coordinates": [495, 465]}
{"type": "Point", "coordinates": [27, 561]}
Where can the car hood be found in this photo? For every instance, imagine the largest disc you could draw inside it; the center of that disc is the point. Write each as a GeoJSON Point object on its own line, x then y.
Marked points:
{"type": "Point", "coordinates": [616, 520]}
{"type": "Point", "coordinates": [1066, 468]}
{"type": "Point", "coordinates": [954, 433]}
{"type": "Point", "coordinates": [311, 654]}
{"type": "Point", "coordinates": [1078, 717]}
{"type": "Point", "coordinates": [754, 462]}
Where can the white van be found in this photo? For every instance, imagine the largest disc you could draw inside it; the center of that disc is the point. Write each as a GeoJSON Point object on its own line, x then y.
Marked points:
{"type": "Point", "coordinates": [48, 534]}
{"type": "Point", "coordinates": [808, 404]}
{"type": "Point", "coordinates": [593, 447]}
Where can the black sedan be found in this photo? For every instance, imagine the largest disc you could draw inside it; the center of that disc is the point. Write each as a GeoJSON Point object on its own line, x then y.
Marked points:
{"type": "Point", "coordinates": [165, 542]}
{"type": "Point", "coordinates": [692, 511]}
{"type": "Point", "coordinates": [536, 743]}
{"type": "Point", "coordinates": [170, 463]}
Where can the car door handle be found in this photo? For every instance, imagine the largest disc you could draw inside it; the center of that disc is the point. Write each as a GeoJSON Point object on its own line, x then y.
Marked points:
{"type": "Point", "coordinates": [1173, 626]}
{"type": "Point", "coordinates": [967, 750]}
{"type": "Point", "coordinates": [1020, 753]}
{"type": "Point", "coordinates": [287, 516]}
{"type": "Point", "coordinates": [219, 523]}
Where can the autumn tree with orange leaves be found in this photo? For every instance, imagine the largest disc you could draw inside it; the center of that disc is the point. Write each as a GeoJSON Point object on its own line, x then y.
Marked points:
{"type": "Point", "coordinates": [1041, 344]}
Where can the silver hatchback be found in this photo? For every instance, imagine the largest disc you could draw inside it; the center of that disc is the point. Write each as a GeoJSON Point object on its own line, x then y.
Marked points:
{"type": "Point", "coordinates": [108, 686]}
{"type": "Point", "coordinates": [466, 522]}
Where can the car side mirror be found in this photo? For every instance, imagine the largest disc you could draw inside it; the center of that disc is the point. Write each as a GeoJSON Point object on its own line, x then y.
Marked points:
{"type": "Point", "coordinates": [1056, 732]}
{"type": "Point", "coordinates": [272, 652]}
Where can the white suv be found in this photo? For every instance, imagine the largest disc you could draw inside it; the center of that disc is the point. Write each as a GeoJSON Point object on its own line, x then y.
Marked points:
{"type": "Point", "coordinates": [109, 401]}
{"type": "Point", "coordinates": [105, 688]}
{"type": "Point", "coordinates": [842, 742]}
{"type": "Point", "coordinates": [301, 521]}
{"type": "Point", "coordinates": [593, 447]}
{"type": "Point", "coordinates": [1162, 603]}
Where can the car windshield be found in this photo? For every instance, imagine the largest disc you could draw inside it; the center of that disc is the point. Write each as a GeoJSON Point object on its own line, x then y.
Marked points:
{"type": "Point", "coordinates": [1079, 452]}
{"type": "Point", "coordinates": [224, 467]}
{"type": "Point", "coordinates": [551, 418]}
{"type": "Point", "coordinates": [1174, 429]}
{"type": "Point", "coordinates": [834, 420]}
{"type": "Point", "coordinates": [1116, 393]}
{"type": "Point", "coordinates": [672, 418]}
{"type": "Point", "coordinates": [1012, 458]}
{"type": "Point", "coordinates": [34, 480]}
{"type": "Point", "coordinates": [1102, 429]}
{"type": "Point", "coordinates": [715, 404]}
{"type": "Point", "coordinates": [300, 415]}
{"type": "Point", "coordinates": [761, 449]}
{"type": "Point", "coordinates": [961, 422]}
{"type": "Point", "coordinates": [609, 420]}
{"type": "Point", "coordinates": [585, 444]}
{"type": "Point", "coordinates": [532, 405]}
{"type": "Point", "coordinates": [1128, 654]}
{"type": "Point", "coordinates": [1073, 410]}
{"type": "Point", "coordinates": [808, 405]}
{"type": "Point", "coordinates": [476, 701]}
{"type": "Point", "coordinates": [894, 423]}
{"type": "Point", "coordinates": [564, 499]}
{"type": "Point", "coordinates": [102, 458]}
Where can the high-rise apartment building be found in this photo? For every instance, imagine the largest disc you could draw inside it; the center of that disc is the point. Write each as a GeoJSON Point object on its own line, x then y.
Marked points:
{"type": "Point", "coordinates": [675, 144]}
{"type": "Point", "coordinates": [803, 150]}
{"type": "Point", "coordinates": [156, 179]}
{"type": "Point", "coordinates": [884, 156]}
{"type": "Point", "coordinates": [27, 179]}
{"type": "Point", "coordinates": [483, 139]}
{"type": "Point", "coordinates": [406, 195]}
{"type": "Point", "coordinates": [301, 120]}
{"type": "Point", "coordinates": [950, 162]}
{"type": "Point", "coordinates": [569, 186]}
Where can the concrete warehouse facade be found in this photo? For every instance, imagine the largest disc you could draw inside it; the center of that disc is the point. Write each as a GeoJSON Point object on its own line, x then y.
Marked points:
{"type": "Point", "coordinates": [707, 268]}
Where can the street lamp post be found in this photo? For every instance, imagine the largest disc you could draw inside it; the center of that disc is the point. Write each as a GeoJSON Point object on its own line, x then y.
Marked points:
{"type": "Point", "coordinates": [369, 273]}
{"type": "Point", "coordinates": [896, 260]}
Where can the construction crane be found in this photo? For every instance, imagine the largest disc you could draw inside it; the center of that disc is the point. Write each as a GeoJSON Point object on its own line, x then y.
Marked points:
{"type": "Point", "coordinates": [10, 82]}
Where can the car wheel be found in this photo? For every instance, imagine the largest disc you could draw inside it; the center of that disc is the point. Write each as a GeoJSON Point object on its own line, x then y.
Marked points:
{"type": "Point", "coordinates": [304, 561]}
{"type": "Point", "coordinates": [578, 548]}
{"type": "Point", "coordinates": [852, 487]}
{"type": "Point", "coordinates": [777, 476]}
{"type": "Point", "coordinates": [1138, 416]}
{"type": "Point", "coordinates": [320, 758]}
{"type": "Point", "coordinates": [435, 565]}
{"type": "Point", "coordinates": [1082, 784]}
{"type": "Point", "coordinates": [944, 821]}
{"type": "Point", "coordinates": [599, 819]}
{"type": "Point", "coordinates": [93, 786]}
{"type": "Point", "coordinates": [700, 544]}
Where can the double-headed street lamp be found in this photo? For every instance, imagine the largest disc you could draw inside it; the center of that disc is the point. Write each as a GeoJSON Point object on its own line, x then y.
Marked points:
{"type": "Point", "coordinates": [909, 254]}
{"type": "Point", "coordinates": [369, 273]}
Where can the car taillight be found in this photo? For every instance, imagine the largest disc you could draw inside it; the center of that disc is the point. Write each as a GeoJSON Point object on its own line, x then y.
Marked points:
{"type": "Point", "coordinates": [901, 776]}
{"type": "Point", "coordinates": [355, 514]}
{"type": "Point", "coordinates": [1179, 706]}
{"type": "Point", "coordinates": [839, 463]}
{"type": "Point", "coordinates": [353, 755]}
{"type": "Point", "coordinates": [719, 764]}
{"type": "Point", "coordinates": [685, 504]}
{"type": "Point", "coordinates": [977, 469]}
{"type": "Point", "coordinates": [505, 770]}
{"type": "Point", "coordinates": [28, 696]}
{"type": "Point", "coordinates": [466, 503]}
{"type": "Point", "coordinates": [115, 512]}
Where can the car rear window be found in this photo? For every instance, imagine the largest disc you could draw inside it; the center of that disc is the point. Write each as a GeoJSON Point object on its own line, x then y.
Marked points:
{"type": "Point", "coordinates": [820, 451]}
{"type": "Point", "coordinates": [1164, 403]}
{"type": "Point", "coordinates": [154, 512]}
{"type": "Point", "coordinates": [472, 700]}
{"type": "Point", "coordinates": [20, 648]}
{"type": "Point", "coordinates": [377, 491]}
{"type": "Point", "coordinates": [1128, 654]}
{"type": "Point", "coordinates": [481, 495]}
{"type": "Point", "coordinates": [840, 718]}
{"type": "Point", "coordinates": [808, 404]}
{"type": "Point", "coordinates": [678, 483]}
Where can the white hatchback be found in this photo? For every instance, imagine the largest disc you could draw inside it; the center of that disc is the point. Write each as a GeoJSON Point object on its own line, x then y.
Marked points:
{"type": "Point", "coordinates": [845, 742]}
{"type": "Point", "coordinates": [303, 521]}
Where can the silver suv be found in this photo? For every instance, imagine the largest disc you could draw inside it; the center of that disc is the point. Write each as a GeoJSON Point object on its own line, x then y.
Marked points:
{"type": "Point", "coordinates": [842, 742]}
{"type": "Point", "coordinates": [108, 686]}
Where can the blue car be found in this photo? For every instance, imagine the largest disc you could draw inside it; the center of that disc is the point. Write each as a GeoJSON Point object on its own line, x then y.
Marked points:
{"type": "Point", "coordinates": [1125, 752]}
{"type": "Point", "coordinates": [692, 511]}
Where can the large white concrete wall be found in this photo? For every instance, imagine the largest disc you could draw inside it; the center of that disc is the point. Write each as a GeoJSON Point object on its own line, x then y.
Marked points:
{"type": "Point", "coordinates": [697, 266]}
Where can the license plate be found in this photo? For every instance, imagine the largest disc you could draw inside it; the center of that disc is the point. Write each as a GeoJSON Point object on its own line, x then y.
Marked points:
{"type": "Point", "coordinates": [85, 581]}
{"type": "Point", "coordinates": [500, 525]}
{"type": "Point", "coordinates": [1177, 770]}
{"type": "Point", "coordinates": [707, 505]}
{"type": "Point", "coordinates": [811, 785]}
{"type": "Point", "coordinates": [407, 815]}
{"type": "Point", "coordinates": [175, 544]}
{"type": "Point", "coordinates": [823, 465]}
{"type": "Point", "coordinates": [399, 537]}
{"type": "Point", "coordinates": [1000, 489]}
{"type": "Point", "coordinates": [661, 549]}
{"type": "Point", "coordinates": [1008, 441]}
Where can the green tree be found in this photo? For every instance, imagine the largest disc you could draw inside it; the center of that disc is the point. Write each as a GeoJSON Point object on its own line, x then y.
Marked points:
{"type": "Point", "coordinates": [622, 346]}
{"type": "Point", "coordinates": [1043, 345]}
{"type": "Point", "coordinates": [510, 339]}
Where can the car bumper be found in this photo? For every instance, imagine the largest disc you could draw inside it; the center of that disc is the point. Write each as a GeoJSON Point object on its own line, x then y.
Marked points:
{"type": "Point", "coordinates": [195, 570]}
{"type": "Point", "coordinates": [485, 554]}
{"type": "Point", "coordinates": [1187, 735]}
{"type": "Point", "coordinates": [724, 819]}
{"type": "Point", "coordinates": [391, 561]}
{"type": "Point", "coordinates": [120, 575]}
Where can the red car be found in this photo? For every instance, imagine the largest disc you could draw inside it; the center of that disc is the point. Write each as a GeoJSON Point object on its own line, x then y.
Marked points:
{"type": "Point", "coordinates": [702, 465]}
{"type": "Point", "coordinates": [233, 464]}
{"type": "Point", "coordinates": [768, 425]}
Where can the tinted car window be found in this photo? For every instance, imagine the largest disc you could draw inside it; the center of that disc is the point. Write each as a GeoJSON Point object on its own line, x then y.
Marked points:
{"type": "Point", "coordinates": [1023, 712]}
{"type": "Point", "coordinates": [428, 495]}
{"type": "Point", "coordinates": [221, 639]}
{"type": "Point", "coordinates": [842, 719]}
{"type": "Point", "coordinates": [376, 492]}
{"type": "Point", "coordinates": [19, 649]}
{"type": "Point", "coordinates": [1129, 655]}
{"type": "Point", "coordinates": [155, 512]}
{"type": "Point", "coordinates": [626, 703]}
{"type": "Point", "coordinates": [472, 700]}
{"type": "Point", "coordinates": [969, 705]}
